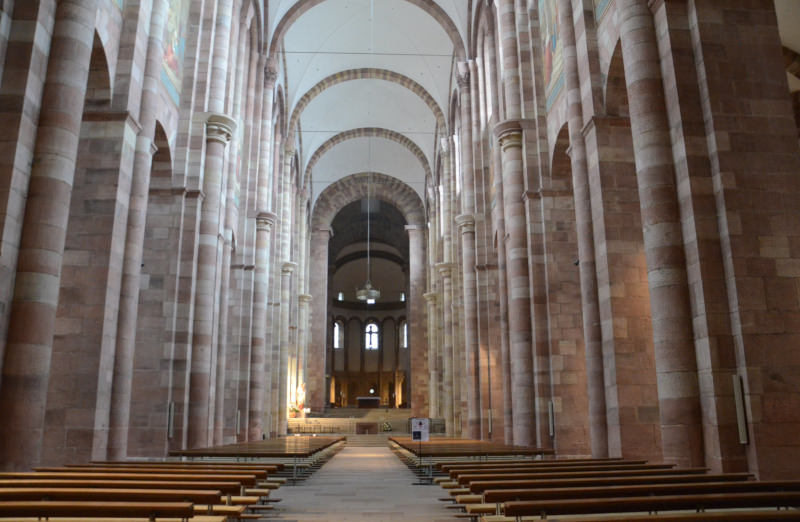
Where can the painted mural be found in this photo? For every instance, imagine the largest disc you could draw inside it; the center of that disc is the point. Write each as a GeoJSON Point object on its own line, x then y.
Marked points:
{"type": "Point", "coordinates": [175, 48]}
{"type": "Point", "coordinates": [552, 57]}
{"type": "Point", "coordinates": [600, 8]}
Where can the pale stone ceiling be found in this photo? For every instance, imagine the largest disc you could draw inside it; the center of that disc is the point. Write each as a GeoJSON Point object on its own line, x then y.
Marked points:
{"type": "Point", "coordinates": [394, 35]}
{"type": "Point", "coordinates": [398, 36]}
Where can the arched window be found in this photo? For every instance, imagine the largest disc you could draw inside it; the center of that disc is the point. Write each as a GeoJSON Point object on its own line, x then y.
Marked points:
{"type": "Point", "coordinates": [404, 334]}
{"type": "Point", "coordinates": [371, 336]}
{"type": "Point", "coordinates": [338, 335]}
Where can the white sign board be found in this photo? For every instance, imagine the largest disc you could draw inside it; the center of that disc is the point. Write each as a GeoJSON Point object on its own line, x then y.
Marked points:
{"type": "Point", "coordinates": [420, 429]}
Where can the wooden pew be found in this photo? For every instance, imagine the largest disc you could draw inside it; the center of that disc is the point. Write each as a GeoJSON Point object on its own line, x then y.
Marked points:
{"type": "Point", "coordinates": [549, 475]}
{"type": "Point", "coordinates": [508, 495]}
{"type": "Point", "coordinates": [150, 510]}
{"type": "Point", "coordinates": [242, 479]}
{"type": "Point", "coordinates": [700, 502]}
{"type": "Point", "coordinates": [197, 496]}
{"type": "Point", "coordinates": [195, 518]}
{"type": "Point", "coordinates": [259, 474]}
{"type": "Point", "coordinates": [762, 515]}
{"type": "Point", "coordinates": [269, 467]}
{"type": "Point", "coordinates": [478, 487]}
{"type": "Point", "coordinates": [454, 473]}
{"type": "Point", "coordinates": [228, 488]}
{"type": "Point", "coordinates": [511, 463]}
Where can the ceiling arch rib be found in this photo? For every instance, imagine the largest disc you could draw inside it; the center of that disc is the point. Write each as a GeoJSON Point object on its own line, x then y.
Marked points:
{"type": "Point", "coordinates": [362, 74]}
{"type": "Point", "coordinates": [369, 132]}
{"type": "Point", "coordinates": [354, 187]}
{"type": "Point", "coordinates": [431, 7]}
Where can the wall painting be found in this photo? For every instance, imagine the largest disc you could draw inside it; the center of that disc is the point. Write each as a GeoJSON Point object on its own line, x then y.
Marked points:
{"type": "Point", "coordinates": [552, 56]}
{"type": "Point", "coordinates": [600, 8]}
{"type": "Point", "coordinates": [174, 48]}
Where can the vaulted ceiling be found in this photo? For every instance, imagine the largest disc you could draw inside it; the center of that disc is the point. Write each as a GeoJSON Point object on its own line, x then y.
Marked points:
{"type": "Point", "coordinates": [367, 82]}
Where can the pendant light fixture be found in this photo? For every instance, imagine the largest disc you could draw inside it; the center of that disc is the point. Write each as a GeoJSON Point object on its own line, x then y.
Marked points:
{"type": "Point", "coordinates": [368, 293]}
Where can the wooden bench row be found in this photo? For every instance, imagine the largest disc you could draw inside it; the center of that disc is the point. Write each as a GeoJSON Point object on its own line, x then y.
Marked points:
{"type": "Point", "coordinates": [607, 489]}
{"type": "Point", "coordinates": [144, 490]}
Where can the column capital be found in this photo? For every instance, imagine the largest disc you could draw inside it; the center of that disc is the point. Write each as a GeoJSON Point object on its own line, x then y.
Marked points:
{"type": "Point", "coordinates": [508, 133]}
{"type": "Point", "coordinates": [270, 76]}
{"type": "Point", "coordinates": [444, 143]}
{"type": "Point", "coordinates": [445, 268]}
{"type": "Point", "coordinates": [466, 222]}
{"type": "Point", "coordinates": [322, 230]}
{"type": "Point", "coordinates": [431, 297]}
{"type": "Point", "coordinates": [304, 298]}
{"type": "Point", "coordinates": [153, 148]}
{"type": "Point", "coordinates": [462, 75]}
{"type": "Point", "coordinates": [265, 220]}
{"type": "Point", "coordinates": [220, 127]}
{"type": "Point", "coordinates": [288, 267]}
{"type": "Point", "coordinates": [409, 228]}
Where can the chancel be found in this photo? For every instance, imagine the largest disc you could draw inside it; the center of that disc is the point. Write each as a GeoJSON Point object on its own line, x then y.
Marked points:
{"type": "Point", "coordinates": [563, 233]}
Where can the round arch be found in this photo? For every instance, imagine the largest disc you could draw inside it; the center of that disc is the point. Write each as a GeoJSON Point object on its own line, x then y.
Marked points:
{"type": "Point", "coordinates": [354, 187]}
{"type": "Point", "coordinates": [429, 6]}
{"type": "Point", "coordinates": [366, 73]}
{"type": "Point", "coordinates": [368, 132]}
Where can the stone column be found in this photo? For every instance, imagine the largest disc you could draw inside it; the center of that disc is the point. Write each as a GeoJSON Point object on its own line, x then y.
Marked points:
{"type": "Point", "coordinates": [318, 274]}
{"type": "Point", "coordinates": [592, 336]}
{"type": "Point", "coordinates": [258, 353]}
{"type": "Point", "coordinates": [287, 269]}
{"type": "Point", "coordinates": [466, 225]}
{"type": "Point", "coordinates": [219, 129]}
{"type": "Point", "coordinates": [134, 239]}
{"type": "Point", "coordinates": [448, 398]}
{"type": "Point", "coordinates": [433, 349]}
{"type": "Point", "coordinates": [305, 302]}
{"type": "Point", "coordinates": [416, 334]}
{"type": "Point", "coordinates": [676, 366]}
{"type": "Point", "coordinates": [509, 135]}
{"type": "Point", "coordinates": [26, 368]}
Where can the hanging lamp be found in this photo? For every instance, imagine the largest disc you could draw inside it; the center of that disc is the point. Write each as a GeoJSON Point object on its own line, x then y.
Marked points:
{"type": "Point", "coordinates": [368, 292]}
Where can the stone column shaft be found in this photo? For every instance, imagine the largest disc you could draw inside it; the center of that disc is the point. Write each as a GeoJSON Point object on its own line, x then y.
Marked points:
{"type": "Point", "coordinates": [509, 134]}
{"type": "Point", "coordinates": [258, 353]}
{"type": "Point", "coordinates": [433, 348]}
{"type": "Point", "coordinates": [466, 223]}
{"type": "Point", "coordinates": [592, 335]}
{"type": "Point", "coordinates": [29, 345]}
{"type": "Point", "coordinates": [447, 346]}
{"type": "Point", "coordinates": [416, 334]}
{"type": "Point", "coordinates": [286, 286]}
{"type": "Point", "coordinates": [676, 366]}
{"type": "Point", "coordinates": [318, 274]}
{"type": "Point", "coordinates": [134, 239]}
{"type": "Point", "coordinates": [219, 129]}
{"type": "Point", "coordinates": [265, 220]}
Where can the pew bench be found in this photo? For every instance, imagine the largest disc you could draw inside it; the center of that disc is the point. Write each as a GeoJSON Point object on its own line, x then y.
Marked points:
{"type": "Point", "coordinates": [227, 488]}
{"type": "Point", "coordinates": [196, 518]}
{"type": "Point", "coordinates": [699, 502]}
{"type": "Point", "coordinates": [92, 509]}
{"type": "Point", "coordinates": [468, 478]}
{"type": "Point", "coordinates": [760, 515]}
{"type": "Point", "coordinates": [482, 485]}
{"type": "Point", "coordinates": [122, 495]}
{"type": "Point", "coordinates": [447, 466]}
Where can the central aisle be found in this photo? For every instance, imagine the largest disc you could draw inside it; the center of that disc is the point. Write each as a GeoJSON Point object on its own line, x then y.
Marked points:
{"type": "Point", "coordinates": [363, 483]}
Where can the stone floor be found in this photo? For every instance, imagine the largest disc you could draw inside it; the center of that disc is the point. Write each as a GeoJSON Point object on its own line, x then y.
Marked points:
{"type": "Point", "coordinates": [362, 483]}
